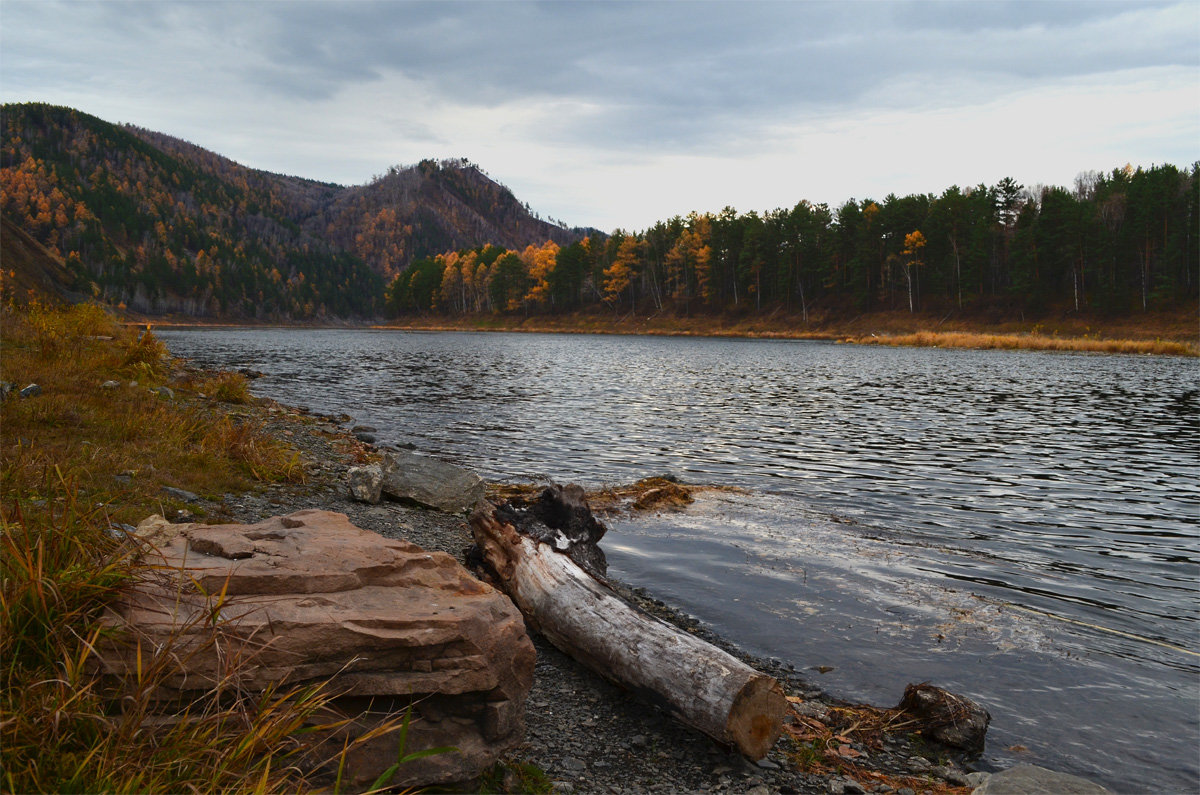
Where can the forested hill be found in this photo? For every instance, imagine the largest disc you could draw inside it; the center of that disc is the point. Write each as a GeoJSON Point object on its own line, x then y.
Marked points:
{"type": "Point", "coordinates": [161, 225]}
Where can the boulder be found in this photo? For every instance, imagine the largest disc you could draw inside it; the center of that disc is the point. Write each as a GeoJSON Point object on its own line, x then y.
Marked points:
{"type": "Point", "coordinates": [946, 717]}
{"type": "Point", "coordinates": [309, 598]}
{"type": "Point", "coordinates": [33, 390]}
{"type": "Point", "coordinates": [1034, 780]}
{"type": "Point", "coordinates": [429, 482]}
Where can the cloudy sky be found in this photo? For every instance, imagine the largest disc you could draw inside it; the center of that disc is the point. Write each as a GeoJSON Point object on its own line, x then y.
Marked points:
{"type": "Point", "coordinates": [615, 114]}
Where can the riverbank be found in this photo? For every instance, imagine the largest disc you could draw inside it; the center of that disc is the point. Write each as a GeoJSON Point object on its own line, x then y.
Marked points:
{"type": "Point", "coordinates": [1181, 325]}
{"type": "Point", "coordinates": [1174, 333]}
{"type": "Point", "coordinates": [585, 734]}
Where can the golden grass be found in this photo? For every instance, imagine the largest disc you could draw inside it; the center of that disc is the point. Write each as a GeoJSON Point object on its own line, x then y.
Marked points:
{"type": "Point", "coordinates": [1033, 341]}
{"type": "Point", "coordinates": [76, 459]}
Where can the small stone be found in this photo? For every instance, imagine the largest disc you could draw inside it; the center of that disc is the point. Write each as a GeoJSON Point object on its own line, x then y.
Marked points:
{"type": "Point", "coordinates": [573, 765]}
{"type": "Point", "coordinates": [852, 787]}
{"type": "Point", "coordinates": [6, 389]}
{"type": "Point", "coordinates": [905, 791]}
{"type": "Point", "coordinates": [164, 392]}
{"type": "Point", "coordinates": [366, 438]}
{"type": "Point", "coordinates": [761, 789]}
{"type": "Point", "coordinates": [950, 774]}
{"type": "Point", "coordinates": [180, 494]}
{"type": "Point", "coordinates": [33, 390]}
{"type": "Point", "coordinates": [638, 740]}
{"type": "Point", "coordinates": [364, 429]}
{"type": "Point", "coordinates": [110, 384]}
{"type": "Point", "coordinates": [767, 764]}
{"type": "Point", "coordinates": [366, 483]}
{"type": "Point", "coordinates": [976, 779]}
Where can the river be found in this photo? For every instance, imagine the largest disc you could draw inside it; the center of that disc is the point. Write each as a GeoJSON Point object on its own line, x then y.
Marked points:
{"type": "Point", "coordinates": [1020, 527]}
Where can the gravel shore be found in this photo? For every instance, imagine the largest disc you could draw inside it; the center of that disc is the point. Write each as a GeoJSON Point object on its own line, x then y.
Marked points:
{"type": "Point", "coordinates": [587, 735]}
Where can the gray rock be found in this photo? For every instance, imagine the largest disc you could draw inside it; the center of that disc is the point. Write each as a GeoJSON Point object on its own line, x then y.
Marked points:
{"type": "Point", "coordinates": [366, 483]}
{"type": "Point", "coordinates": [110, 385]}
{"type": "Point", "coordinates": [33, 390]}
{"type": "Point", "coordinates": [947, 717]}
{"type": "Point", "coordinates": [977, 779]}
{"type": "Point", "coordinates": [6, 389]}
{"type": "Point", "coordinates": [430, 482]}
{"type": "Point", "coordinates": [364, 429]}
{"type": "Point", "coordinates": [164, 392]}
{"type": "Point", "coordinates": [952, 775]}
{"type": "Point", "coordinates": [767, 764]}
{"type": "Point", "coordinates": [368, 438]}
{"type": "Point", "coordinates": [180, 494]}
{"type": "Point", "coordinates": [573, 765]}
{"type": "Point", "coordinates": [1033, 780]}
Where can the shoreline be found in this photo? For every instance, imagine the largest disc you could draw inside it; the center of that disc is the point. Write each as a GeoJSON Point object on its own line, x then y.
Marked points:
{"type": "Point", "coordinates": [585, 733]}
{"type": "Point", "coordinates": [1173, 334]}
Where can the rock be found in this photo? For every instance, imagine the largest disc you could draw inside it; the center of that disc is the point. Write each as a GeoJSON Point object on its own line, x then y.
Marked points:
{"type": "Point", "coordinates": [180, 494]}
{"type": "Point", "coordinates": [164, 392]}
{"type": "Point", "coordinates": [948, 718]}
{"type": "Point", "coordinates": [430, 482]}
{"type": "Point", "coordinates": [110, 385]}
{"type": "Point", "coordinates": [366, 438]}
{"type": "Point", "coordinates": [364, 429]}
{"type": "Point", "coordinates": [1033, 780]}
{"type": "Point", "coordinates": [952, 775]}
{"type": "Point", "coordinates": [977, 778]}
{"type": "Point", "coordinates": [6, 389]}
{"type": "Point", "coordinates": [33, 390]}
{"type": "Point", "coordinates": [366, 483]}
{"type": "Point", "coordinates": [311, 598]}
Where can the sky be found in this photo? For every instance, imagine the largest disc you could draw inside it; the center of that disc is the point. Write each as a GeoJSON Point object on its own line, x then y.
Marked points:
{"type": "Point", "coordinates": [621, 114]}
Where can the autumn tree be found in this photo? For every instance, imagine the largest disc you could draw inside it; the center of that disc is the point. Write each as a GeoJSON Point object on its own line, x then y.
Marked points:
{"type": "Point", "coordinates": [912, 257]}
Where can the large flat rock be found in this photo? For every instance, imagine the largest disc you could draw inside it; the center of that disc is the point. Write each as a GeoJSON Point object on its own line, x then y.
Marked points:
{"type": "Point", "coordinates": [309, 597]}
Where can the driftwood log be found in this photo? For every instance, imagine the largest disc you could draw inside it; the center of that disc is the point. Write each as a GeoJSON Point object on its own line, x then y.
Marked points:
{"type": "Point", "coordinates": [694, 681]}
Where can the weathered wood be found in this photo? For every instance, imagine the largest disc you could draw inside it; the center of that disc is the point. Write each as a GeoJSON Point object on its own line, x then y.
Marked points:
{"type": "Point", "coordinates": [696, 682]}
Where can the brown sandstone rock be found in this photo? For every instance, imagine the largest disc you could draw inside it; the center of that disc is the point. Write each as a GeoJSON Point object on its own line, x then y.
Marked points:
{"type": "Point", "coordinates": [310, 597]}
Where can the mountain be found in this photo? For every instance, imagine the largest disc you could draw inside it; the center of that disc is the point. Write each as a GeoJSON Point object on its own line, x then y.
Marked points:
{"type": "Point", "coordinates": [164, 226]}
{"type": "Point", "coordinates": [431, 208]}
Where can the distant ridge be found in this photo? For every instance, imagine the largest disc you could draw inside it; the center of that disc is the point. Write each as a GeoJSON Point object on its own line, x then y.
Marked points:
{"type": "Point", "coordinates": [165, 226]}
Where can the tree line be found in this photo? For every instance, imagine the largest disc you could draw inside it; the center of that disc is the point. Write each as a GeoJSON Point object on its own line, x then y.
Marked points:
{"type": "Point", "coordinates": [1116, 242]}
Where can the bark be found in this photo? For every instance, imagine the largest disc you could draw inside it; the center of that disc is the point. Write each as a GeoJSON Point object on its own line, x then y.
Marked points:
{"type": "Point", "coordinates": [694, 681]}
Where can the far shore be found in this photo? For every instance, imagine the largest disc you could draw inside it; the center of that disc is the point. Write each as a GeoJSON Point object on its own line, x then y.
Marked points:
{"type": "Point", "coordinates": [1174, 333]}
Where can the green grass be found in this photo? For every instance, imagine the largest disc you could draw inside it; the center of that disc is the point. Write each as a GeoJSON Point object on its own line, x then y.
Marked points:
{"type": "Point", "coordinates": [76, 459]}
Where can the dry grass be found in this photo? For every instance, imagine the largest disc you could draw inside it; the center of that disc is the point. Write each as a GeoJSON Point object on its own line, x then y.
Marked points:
{"type": "Point", "coordinates": [1032, 341]}
{"type": "Point", "coordinates": [76, 459]}
{"type": "Point", "coordinates": [825, 745]}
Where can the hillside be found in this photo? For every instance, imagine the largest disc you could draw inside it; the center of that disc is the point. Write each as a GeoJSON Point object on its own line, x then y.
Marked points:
{"type": "Point", "coordinates": [29, 269]}
{"type": "Point", "coordinates": [163, 226]}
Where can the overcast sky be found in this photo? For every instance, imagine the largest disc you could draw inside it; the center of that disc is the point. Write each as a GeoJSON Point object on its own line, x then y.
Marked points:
{"type": "Point", "coordinates": [615, 114]}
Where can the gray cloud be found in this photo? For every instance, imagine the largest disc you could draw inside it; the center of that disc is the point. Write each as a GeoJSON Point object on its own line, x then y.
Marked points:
{"type": "Point", "coordinates": [607, 80]}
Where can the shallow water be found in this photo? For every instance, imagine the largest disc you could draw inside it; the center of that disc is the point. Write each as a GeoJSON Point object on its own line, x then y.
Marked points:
{"type": "Point", "coordinates": [1039, 512]}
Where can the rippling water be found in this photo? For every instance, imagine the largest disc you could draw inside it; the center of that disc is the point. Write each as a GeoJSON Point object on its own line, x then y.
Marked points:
{"type": "Point", "coordinates": [1019, 526]}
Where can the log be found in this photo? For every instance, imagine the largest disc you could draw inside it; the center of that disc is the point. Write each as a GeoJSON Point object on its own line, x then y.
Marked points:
{"type": "Point", "coordinates": [694, 681]}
